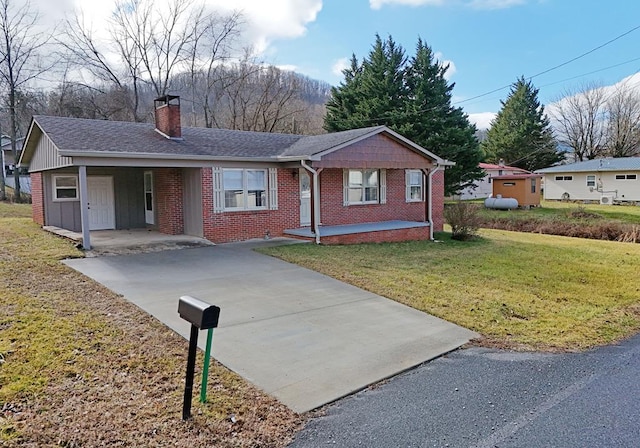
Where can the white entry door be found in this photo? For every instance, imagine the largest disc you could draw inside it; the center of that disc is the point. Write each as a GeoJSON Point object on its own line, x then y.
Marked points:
{"type": "Point", "coordinates": [102, 210]}
{"type": "Point", "coordinates": [305, 198]}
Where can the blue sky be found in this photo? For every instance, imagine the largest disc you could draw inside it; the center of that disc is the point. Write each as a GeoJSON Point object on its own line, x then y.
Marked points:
{"type": "Point", "coordinates": [490, 43]}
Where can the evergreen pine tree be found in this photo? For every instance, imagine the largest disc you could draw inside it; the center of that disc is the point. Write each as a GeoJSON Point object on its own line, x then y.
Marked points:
{"type": "Point", "coordinates": [521, 133]}
{"type": "Point", "coordinates": [372, 92]}
{"type": "Point", "coordinates": [411, 97]}
{"type": "Point", "coordinates": [432, 122]}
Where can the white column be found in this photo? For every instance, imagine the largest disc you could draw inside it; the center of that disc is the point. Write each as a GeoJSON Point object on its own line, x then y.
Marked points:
{"type": "Point", "coordinates": [84, 207]}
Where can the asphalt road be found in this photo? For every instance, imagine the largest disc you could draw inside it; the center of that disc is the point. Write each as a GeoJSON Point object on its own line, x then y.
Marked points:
{"type": "Point", "coordinates": [487, 398]}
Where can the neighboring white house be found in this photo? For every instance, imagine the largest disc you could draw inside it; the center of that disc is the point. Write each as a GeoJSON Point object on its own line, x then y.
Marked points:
{"type": "Point", "coordinates": [8, 165]}
{"type": "Point", "coordinates": [604, 180]}
{"type": "Point", "coordinates": [483, 187]}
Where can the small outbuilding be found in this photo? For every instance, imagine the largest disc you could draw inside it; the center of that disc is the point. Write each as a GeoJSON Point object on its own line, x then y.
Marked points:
{"type": "Point", "coordinates": [525, 188]}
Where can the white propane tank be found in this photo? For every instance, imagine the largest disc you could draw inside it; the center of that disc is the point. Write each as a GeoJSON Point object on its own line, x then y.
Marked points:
{"type": "Point", "coordinates": [501, 203]}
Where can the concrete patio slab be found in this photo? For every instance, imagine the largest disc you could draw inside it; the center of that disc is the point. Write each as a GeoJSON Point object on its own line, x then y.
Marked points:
{"type": "Point", "coordinates": [301, 336]}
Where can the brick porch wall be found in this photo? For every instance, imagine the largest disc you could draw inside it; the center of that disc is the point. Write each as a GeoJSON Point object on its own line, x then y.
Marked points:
{"type": "Point", "coordinates": [243, 225]}
{"type": "Point", "coordinates": [168, 193]}
{"type": "Point", "coordinates": [333, 212]}
{"type": "Point", "coordinates": [37, 198]}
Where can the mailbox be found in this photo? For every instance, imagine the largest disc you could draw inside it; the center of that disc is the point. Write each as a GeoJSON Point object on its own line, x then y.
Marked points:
{"type": "Point", "coordinates": [198, 313]}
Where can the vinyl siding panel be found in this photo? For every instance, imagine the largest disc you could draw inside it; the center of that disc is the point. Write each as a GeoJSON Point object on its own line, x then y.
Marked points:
{"type": "Point", "coordinates": [46, 156]}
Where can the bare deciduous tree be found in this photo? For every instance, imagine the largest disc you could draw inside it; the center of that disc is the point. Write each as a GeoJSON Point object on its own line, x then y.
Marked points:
{"type": "Point", "coordinates": [579, 117]}
{"type": "Point", "coordinates": [21, 62]}
{"type": "Point", "coordinates": [623, 122]}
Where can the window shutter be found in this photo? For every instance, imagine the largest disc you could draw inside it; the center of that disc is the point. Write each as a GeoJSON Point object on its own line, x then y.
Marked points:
{"type": "Point", "coordinates": [218, 190]}
{"type": "Point", "coordinates": [383, 186]}
{"type": "Point", "coordinates": [345, 182]}
{"type": "Point", "coordinates": [273, 188]}
{"type": "Point", "coordinates": [407, 185]}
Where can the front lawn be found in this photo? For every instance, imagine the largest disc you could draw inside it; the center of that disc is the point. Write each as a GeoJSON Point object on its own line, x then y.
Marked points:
{"type": "Point", "coordinates": [81, 366]}
{"type": "Point", "coordinates": [519, 290]}
{"type": "Point", "coordinates": [605, 222]}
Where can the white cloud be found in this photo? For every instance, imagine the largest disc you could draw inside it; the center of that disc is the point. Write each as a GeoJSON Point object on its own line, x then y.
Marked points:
{"type": "Point", "coordinates": [377, 4]}
{"type": "Point", "coordinates": [264, 21]}
{"type": "Point", "coordinates": [452, 67]}
{"type": "Point", "coordinates": [288, 67]}
{"type": "Point", "coordinates": [274, 19]}
{"type": "Point", "coordinates": [340, 65]}
{"type": "Point", "coordinates": [482, 120]}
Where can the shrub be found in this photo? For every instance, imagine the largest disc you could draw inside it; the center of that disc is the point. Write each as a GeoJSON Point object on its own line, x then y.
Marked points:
{"type": "Point", "coordinates": [464, 219]}
{"type": "Point", "coordinates": [631, 236]}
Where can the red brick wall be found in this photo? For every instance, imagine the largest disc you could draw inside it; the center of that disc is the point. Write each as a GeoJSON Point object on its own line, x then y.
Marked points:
{"type": "Point", "coordinates": [37, 198]}
{"type": "Point", "coordinates": [238, 226]}
{"type": "Point", "coordinates": [437, 210]}
{"type": "Point", "coordinates": [168, 195]}
{"type": "Point", "coordinates": [333, 212]}
{"type": "Point", "coordinates": [168, 120]}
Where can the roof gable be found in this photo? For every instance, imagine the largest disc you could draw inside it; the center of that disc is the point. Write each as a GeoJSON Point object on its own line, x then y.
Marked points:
{"type": "Point", "coordinates": [374, 151]}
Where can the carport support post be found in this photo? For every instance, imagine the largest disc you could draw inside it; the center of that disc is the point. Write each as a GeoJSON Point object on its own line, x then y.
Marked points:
{"type": "Point", "coordinates": [84, 207]}
{"type": "Point", "coordinates": [205, 368]}
{"type": "Point", "coordinates": [191, 367]}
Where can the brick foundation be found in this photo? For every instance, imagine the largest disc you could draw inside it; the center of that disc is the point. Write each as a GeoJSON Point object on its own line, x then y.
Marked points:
{"type": "Point", "coordinates": [382, 236]}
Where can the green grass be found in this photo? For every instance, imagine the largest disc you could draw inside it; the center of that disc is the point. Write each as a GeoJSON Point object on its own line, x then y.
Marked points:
{"type": "Point", "coordinates": [75, 356]}
{"type": "Point", "coordinates": [520, 290]}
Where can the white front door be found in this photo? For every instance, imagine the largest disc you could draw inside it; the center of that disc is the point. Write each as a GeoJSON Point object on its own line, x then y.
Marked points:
{"type": "Point", "coordinates": [305, 198]}
{"type": "Point", "coordinates": [148, 198]}
{"type": "Point", "coordinates": [102, 210]}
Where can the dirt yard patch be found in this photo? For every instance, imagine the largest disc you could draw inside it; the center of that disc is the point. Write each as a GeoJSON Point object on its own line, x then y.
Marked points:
{"type": "Point", "coordinates": [80, 366]}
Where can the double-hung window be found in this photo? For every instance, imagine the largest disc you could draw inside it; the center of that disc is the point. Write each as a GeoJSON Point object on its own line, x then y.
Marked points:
{"type": "Point", "coordinates": [244, 189]}
{"type": "Point", "coordinates": [591, 180]}
{"type": "Point", "coordinates": [364, 186]}
{"type": "Point", "coordinates": [414, 186]}
{"type": "Point", "coordinates": [65, 188]}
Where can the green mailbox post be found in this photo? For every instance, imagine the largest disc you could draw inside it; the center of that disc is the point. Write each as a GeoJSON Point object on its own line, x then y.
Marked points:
{"type": "Point", "coordinates": [202, 316]}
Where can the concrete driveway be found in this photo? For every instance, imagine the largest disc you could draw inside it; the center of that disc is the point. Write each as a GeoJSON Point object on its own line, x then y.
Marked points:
{"type": "Point", "coordinates": [303, 337]}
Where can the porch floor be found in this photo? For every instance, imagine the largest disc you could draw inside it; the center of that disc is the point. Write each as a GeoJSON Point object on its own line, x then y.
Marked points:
{"type": "Point", "coordinates": [348, 229]}
{"type": "Point", "coordinates": [114, 242]}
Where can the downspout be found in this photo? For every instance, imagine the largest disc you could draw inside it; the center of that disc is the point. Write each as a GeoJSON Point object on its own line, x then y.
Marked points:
{"type": "Point", "coordinates": [316, 200]}
{"type": "Point", "coordinates": [430, 199]}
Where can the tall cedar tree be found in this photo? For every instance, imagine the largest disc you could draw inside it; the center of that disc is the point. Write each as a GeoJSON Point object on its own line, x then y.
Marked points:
{"type": "Point", "coordinates": [411, 97]}
{"type": "Point", "coordinates": [521, 134]}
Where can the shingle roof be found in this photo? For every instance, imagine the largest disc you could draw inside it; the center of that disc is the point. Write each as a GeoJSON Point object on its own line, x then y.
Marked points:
{"type": "Point", "coordinates": [315, 144]}
{"type": "Point", "coordinates": [77, 135]}
{"type": "Point", "coordinates": [82, 135]}
{"type": "Point", "coordinates": [608, 164]}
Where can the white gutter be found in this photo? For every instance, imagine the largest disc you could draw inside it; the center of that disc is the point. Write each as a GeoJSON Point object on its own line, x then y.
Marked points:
{"type": "Point", "coordinates": [430, 208]}
{"type": "Point", "coordinates": [316, 200]}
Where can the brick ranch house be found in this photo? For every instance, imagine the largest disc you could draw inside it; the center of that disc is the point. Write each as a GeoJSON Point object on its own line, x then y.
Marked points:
{"type": "Point", "coordinates": [361, 185]}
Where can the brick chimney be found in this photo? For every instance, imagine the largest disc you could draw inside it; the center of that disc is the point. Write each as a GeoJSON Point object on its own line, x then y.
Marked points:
{"type": "Point", "coordinates": [167, 109]}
